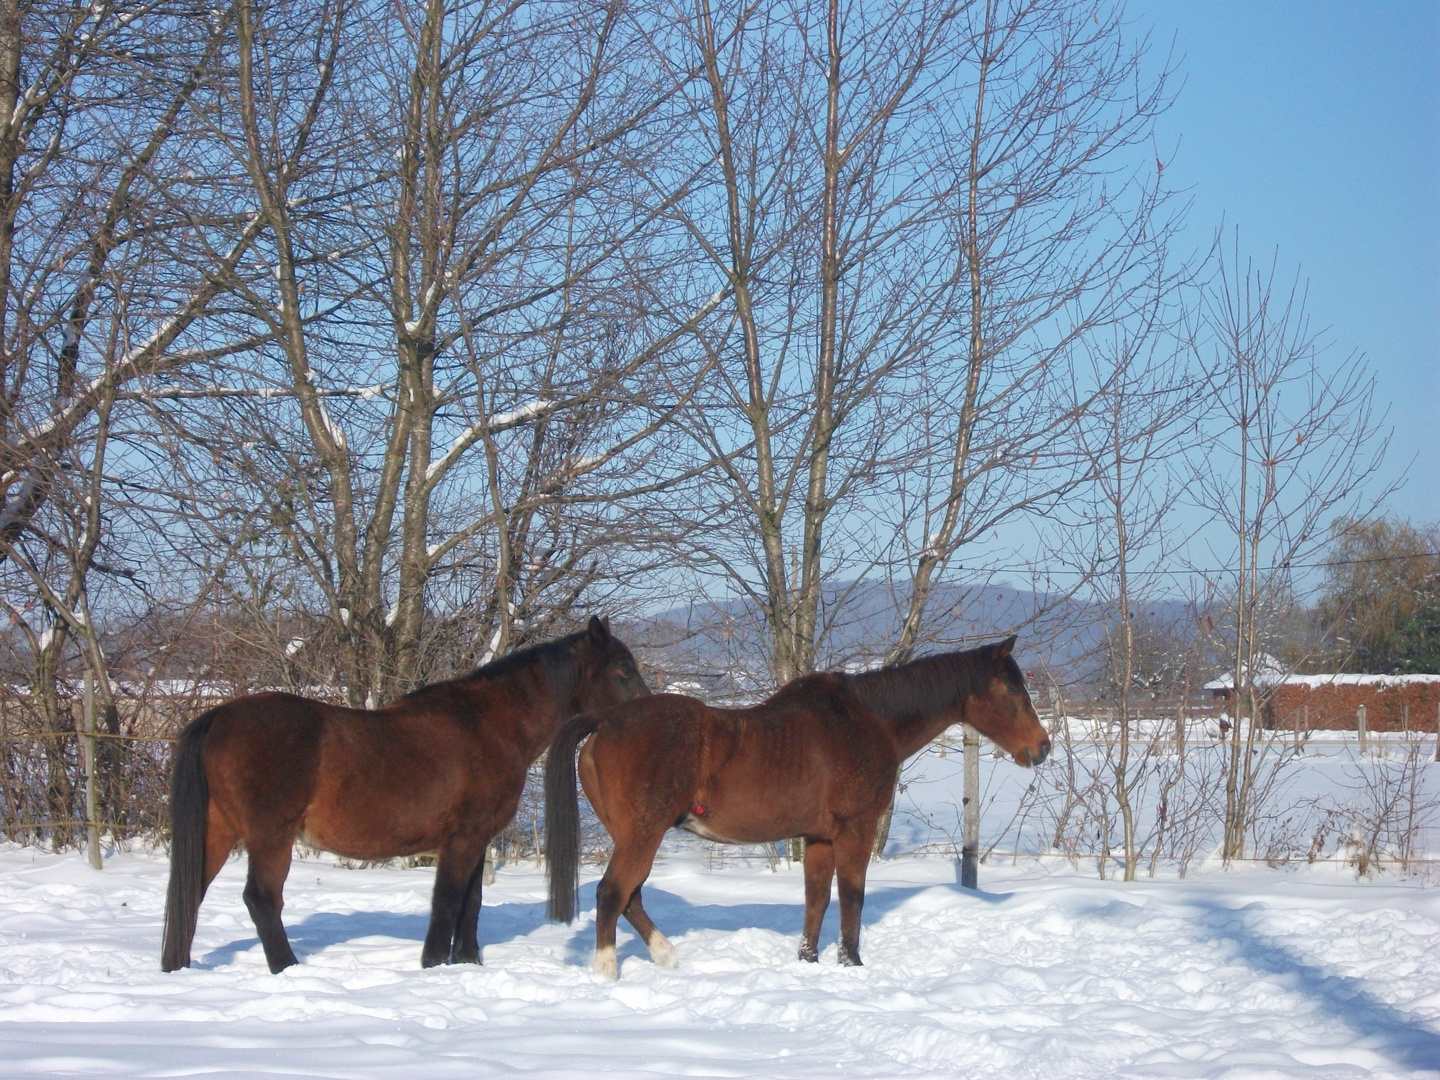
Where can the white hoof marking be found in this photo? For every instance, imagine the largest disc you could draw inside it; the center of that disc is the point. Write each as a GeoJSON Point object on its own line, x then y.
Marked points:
{"type": "Point", "coordinates": [661, 951]}
{"type": "Point", "coordinates": [605, 963]}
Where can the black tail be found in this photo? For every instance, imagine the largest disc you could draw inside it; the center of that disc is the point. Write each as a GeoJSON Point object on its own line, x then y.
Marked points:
{"type": "Point", "coordinates": [189, 805]}
{"type": "Point", "coordinates": [562, 817]}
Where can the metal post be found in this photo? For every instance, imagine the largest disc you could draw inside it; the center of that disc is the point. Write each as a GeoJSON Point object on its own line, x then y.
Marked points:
{"type": "Point", "coordinates": [1437, 731]}
{"type": "Point", "coordinates": [970, 823]}
{"type": "Point", "coordinates": [1360, 726]}
{"type": "Point", "coordinates": [92, 829]}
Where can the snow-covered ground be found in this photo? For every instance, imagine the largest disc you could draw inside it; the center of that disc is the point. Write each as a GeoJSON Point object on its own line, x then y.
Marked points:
{"type": "Point", "coordinates": [1321, 798]}
{"type": "Point", "coordinates": [1046, 972]}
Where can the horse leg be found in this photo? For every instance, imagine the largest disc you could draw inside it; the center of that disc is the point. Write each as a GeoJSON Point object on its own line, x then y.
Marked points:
{"type": "Point", "coordinates": [264, 897]}
{"type": "Point", "coordinates": [454, 864]}
{"type": "Point", "coordinates": [819, 869]}
{"type": "Point", "coordinates": [466, 946]}
{"type": "Point", "coordinates": [628, 869]}
{"type": "Point", "coordinates": [852, 857]}
{"type": "Point", "coordinates": [220, 839]}
{"type": "Point", "coordinates": [661, 951]}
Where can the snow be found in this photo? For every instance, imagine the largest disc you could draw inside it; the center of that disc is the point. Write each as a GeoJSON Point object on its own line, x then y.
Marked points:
{"type": "Point", "coordinates": [1384, 682]}
{"type": "Point", "coordinates": [497, 423]}
{"type": "Point", "coordinates": [1045, 972]}
{"type": "Point", "coordinates": [337, 436]}
{"type": "Point", "coordinates": [1268, 672]}
{"type": "Point", "coordinates": [1323, 795]}
{"type": "Point", "coordinates": [528, 411]}
{"type": "Point", "coordinates": [1268, 678]}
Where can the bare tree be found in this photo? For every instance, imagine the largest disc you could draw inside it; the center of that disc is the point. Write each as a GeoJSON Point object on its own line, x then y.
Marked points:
{"type": "Point", "coordinates": [1143, 428]}
{"type": "Point", "coordinates": [106, 276]}
{"type": "Point", "coordinates": [1058, 221]}
{"type": "Point", "coordinates": [95, 164]}
{"type": "Point", "coordinates": [1296, 443]}
{"type": "Point", "coordinates": [464, 248]}
{"type": "Point", "coordinates": [1060, 234]}
{"type": "Point", "coordinates": [816, 211]}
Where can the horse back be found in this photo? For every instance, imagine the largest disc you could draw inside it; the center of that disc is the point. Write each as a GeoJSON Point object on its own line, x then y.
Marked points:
{"type": "Point", "coordinates": [796, 762]}
{"type": "Point", "coordinates": [360, 783]}
{"type": "Point", "coordinates": [812, 748]}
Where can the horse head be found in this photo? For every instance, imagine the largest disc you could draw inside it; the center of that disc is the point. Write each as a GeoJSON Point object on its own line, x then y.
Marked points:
{"type": "Point", "coordinates": [609, 675]}
{"type": "Point", "coordinates": [1002, 711]}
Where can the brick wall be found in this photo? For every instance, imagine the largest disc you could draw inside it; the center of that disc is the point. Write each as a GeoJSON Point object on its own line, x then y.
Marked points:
{"type": "Point", "coordinates": [1332, 706]}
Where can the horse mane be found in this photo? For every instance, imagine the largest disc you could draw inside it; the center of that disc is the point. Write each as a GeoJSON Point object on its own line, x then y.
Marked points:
{"type": "Point", "coordinates": [556, 658]}
{"type": "Point", "coordinates": [930, 684]}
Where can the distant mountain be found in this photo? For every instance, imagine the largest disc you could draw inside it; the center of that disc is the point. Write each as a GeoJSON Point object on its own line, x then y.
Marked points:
{"type": "Point", "coordinates": [717, 649]}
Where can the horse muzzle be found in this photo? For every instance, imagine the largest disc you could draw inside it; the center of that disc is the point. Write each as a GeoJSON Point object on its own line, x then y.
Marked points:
{"type": "Point", "coordinates": [1034, 757]}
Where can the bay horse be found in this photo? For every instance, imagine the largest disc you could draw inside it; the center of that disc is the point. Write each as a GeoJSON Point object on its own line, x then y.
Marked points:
{"type": "Point", "coordinates": [818, 759]}
{"type": "Point", "coordinates": [441, 769]}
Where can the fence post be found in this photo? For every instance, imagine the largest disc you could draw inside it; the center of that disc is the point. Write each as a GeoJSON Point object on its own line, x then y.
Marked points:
{"type": "Point", "coordinates": [1437, 731]}
{"type": "Point", "coordinates": [92, 828]}
{"type": "Point", "coordinates": [970, 823]}
{"type": "Point", "coordinates": [1360, 726]}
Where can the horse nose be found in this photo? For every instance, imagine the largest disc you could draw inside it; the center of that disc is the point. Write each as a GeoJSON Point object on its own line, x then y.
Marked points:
{"type": "Point", "coordinates": [1041, 754]}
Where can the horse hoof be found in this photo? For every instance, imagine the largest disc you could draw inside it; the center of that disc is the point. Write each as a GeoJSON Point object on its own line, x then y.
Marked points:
{"type": "Point", "coordinates": [605, 963]}
{"type": "Point", "coordinates": [810, 954]}
{"type": "Point", "coordinates": [661, 951]}
{"type": "Point", "coordinates": [850, 959]}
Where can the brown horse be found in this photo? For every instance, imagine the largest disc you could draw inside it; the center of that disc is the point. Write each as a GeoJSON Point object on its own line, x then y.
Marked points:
{"type": "Point", "coordinates": [440, 770]}
{"type": "Point", "coordinates": [819, 759]}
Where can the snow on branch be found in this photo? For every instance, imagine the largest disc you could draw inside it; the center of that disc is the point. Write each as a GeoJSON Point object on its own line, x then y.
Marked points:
{"type": "Point", "coordinates": [531, 410]}
{"type": "Point", "coordinates": [177, 393]}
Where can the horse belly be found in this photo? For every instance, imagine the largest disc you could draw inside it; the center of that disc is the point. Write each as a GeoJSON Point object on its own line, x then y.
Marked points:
{"type": "Point", "coordinates": [364, 837]}
{"type": "Point", "coordinates": [730, 821]}
{"type": "Point", "coordinates": [691, 823]}
{"type": "Point", "coordinates": [367, 822]}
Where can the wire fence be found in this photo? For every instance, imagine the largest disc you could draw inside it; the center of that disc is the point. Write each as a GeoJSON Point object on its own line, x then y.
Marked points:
{"type": "Point", "coordinates": [1375, 801]}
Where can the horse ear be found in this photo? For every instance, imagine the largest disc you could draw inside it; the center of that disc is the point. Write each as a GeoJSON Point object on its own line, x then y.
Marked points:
{"type": "Point", "coordinates": [598, 631]}
{"type": "Point", "coordinates": [1006, 647]}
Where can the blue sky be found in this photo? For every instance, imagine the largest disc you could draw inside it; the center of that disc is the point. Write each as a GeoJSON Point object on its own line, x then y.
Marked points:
{"type": "Point", "coordinates": [1315, 128]}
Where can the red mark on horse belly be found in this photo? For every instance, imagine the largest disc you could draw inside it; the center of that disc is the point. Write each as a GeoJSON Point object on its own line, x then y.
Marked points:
{"type": "Point", "coordinates": [698, 810]}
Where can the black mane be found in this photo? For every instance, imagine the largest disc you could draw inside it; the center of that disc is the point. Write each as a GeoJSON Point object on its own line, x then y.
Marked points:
{"type": "Point", "coordinates": [931, 684]}
{"type": "Point", "coordinates": [556, 658]}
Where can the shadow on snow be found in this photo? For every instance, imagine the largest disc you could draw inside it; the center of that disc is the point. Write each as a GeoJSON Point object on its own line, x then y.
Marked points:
{"type": "Point", "coordinates": [1380, 1027]}
{"type": "Point", "coordinates": [507, 922]}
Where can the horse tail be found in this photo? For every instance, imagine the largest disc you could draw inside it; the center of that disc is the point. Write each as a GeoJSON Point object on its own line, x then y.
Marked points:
{"type": "Point", "coordinates": [189, 808]}
{"type": "Point", "coordinates": [562, 817]}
